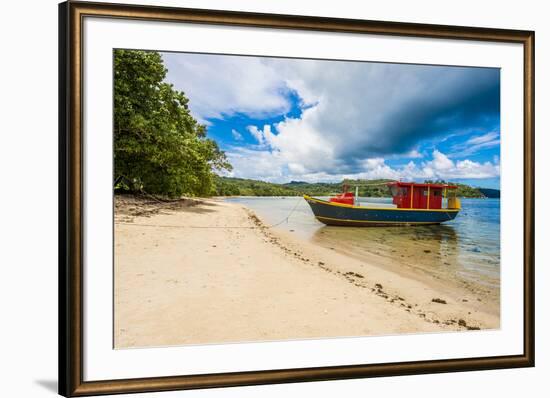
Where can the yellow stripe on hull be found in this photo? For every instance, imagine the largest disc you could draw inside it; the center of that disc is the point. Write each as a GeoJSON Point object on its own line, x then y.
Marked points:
{"type": "Point", "coordinates": [307, 197]}
{"type": "Point", "coordinates": [339, 220]}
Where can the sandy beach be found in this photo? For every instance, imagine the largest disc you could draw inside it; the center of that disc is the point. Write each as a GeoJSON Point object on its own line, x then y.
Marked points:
{"type": "Point", "coordinates": [208, 271]}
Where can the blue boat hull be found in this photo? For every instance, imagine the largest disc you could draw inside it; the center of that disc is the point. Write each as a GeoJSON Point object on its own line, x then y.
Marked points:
{"type": "Point", "coordinates": [359, 216]}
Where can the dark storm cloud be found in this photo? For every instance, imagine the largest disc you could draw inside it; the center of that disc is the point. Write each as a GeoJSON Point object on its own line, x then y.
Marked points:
{"type": "Point", "coordinates": [450, 101]}
{"type": "Point", "coordinates": [364, 110]}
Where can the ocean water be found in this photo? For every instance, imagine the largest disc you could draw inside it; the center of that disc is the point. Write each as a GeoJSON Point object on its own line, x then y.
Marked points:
{"type": "Point", "coordinates": [467, 248]}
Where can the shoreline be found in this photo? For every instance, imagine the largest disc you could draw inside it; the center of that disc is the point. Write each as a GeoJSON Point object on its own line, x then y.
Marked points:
{"type": "Point", "coordinates": [437, 252]}
{"type": "Point", "coordinates": [204, 271]}
{"type": "Point", "coordinates": [413, 281]}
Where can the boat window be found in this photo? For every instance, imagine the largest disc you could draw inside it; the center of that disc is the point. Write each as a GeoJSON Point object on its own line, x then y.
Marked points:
{"type": "Point", "coordinates": [425, 192]}
{"type": "Point", "coordinates": [437, 193]}
{"type": "Point", "coordinates": [394, 190]}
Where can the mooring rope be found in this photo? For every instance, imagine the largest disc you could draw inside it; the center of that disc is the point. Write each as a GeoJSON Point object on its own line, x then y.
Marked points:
{"type": "Point", "coordinates": [288, 216]}
{"type": "Point", "coordinates": [185, 226]}
{"type": "Point", "coordinates": [299, 198]}
{"type": "Point", "coordinates": [174, 201]}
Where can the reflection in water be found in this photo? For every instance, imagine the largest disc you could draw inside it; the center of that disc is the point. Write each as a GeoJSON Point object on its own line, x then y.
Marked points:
{"type": "Point", "coordinates": [437, 239]}
{"type": "Point", "coordinates": [433, 248]}
{"type": "Point", "coordinates": [466, 248]}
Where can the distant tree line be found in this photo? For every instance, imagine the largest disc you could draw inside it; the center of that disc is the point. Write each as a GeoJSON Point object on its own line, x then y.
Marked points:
{"type": "Point", "coordinates": [463, 190]}
{"type": "Point", "coordinates": [228, 186]}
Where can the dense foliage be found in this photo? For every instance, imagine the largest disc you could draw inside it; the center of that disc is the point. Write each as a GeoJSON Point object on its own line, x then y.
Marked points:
{"type": "Point", "coordinates": [226, 186]}
{"type": "Point", "coordinates": [158, 146]}
{"type": "Point", "coordinates": [367, 188]}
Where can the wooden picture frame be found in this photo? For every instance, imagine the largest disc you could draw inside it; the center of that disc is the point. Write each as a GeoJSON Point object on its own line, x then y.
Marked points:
{"type": "Point", "coordinates": [71, 238]}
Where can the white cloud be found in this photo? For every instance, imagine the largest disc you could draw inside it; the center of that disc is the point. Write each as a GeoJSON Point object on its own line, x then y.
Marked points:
{"type": "Point", "coordinates": [481, 139]}
{"type": "Point", "coordinates": [440, 167]}
{"type": "Point", "coordinates": [222, 85]}
{"type": "Point", "coordinates": [236, 135]}
{"type": "Point", "coordinates": [256, 164]}
{"type": "Point", "coordinates": [374, 169]}
{"type": "Point", "coordinates": [414, 154]}
{"type": "Point", "coordinates": [274, 166]}
{"type": "Point", "coordinates": [475, 144]}
{"type": "Point", "coordinates": [441, 162]}
{"type": "Point", "coordinates": [443, 167]}
{"type": "Point", "coordinates": [264, 137]}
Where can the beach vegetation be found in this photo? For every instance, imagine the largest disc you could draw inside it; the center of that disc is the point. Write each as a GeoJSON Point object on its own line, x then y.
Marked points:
{"type": "Point", "coordinates": [159, 148]}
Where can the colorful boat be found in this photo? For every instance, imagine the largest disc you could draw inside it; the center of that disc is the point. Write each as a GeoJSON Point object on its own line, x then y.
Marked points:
{"type": "Point", "coordinates": [413, 204]}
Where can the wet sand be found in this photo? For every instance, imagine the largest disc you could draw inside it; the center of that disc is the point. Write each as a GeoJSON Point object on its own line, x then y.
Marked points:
{"type": "Point", "coordinates": [196, 272]}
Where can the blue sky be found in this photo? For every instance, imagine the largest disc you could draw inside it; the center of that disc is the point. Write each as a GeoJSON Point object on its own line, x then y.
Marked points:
{"type": "Point", "coordinates": [282, 119]}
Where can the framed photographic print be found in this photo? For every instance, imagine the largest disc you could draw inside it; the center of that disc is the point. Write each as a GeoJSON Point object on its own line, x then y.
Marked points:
{"type": "Point", "coordinates": [252, 199]}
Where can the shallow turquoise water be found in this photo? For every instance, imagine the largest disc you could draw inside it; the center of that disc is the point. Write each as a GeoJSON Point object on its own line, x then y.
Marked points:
{"type": "Point", "coordinates": [467, 247]}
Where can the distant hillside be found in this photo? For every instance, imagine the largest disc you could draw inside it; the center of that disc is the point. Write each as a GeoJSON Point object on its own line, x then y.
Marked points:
{"type": "Point", "coordinates": [229, 186]}
{"type": "Point", "coordinates": [370, 188]}
{"type": "Point", "coordinates": [466, 191]}
{"type": "Point", "coordinates": [490, 193]}
{"type": "Point", "coordinates": [463, 190]}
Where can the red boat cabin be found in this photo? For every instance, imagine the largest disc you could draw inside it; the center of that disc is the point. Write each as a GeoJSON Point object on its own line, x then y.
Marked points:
{"type": "Point", "coordinates": [410, 195]}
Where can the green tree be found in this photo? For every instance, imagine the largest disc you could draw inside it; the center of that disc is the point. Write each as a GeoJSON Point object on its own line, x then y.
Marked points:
{"type": "Point", "coordinates": [158, 146]}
